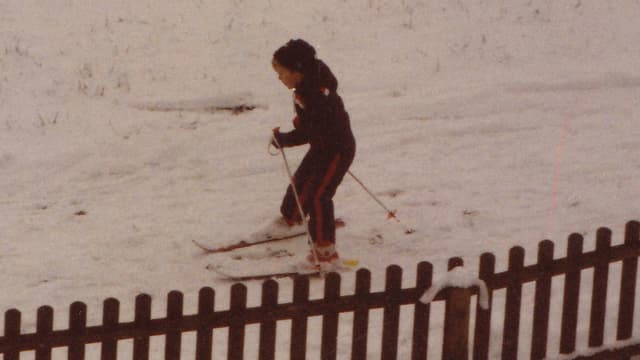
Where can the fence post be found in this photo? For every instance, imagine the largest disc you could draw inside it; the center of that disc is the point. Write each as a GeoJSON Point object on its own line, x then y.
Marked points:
{"type": "Point", "coordinates": [110, 318]}
{"type": "Point", "coordinates": [421, 313]}
{"type": "Point", "coordinates": [238, 306]}
{"type": "Point", "coordinates": [298, 347]}
{"type": "Point", "coordinates": [268, 327]}
{"type": "Point", "coordinates": [44, 327]}
{"type": "Point", "coordinates": [11, 334]}
{"type": "Point", "coordinates": [204, 335]}
{"type": "Point", "coordinates": [361, 315]}
{"type": "Point", "coordinates": [77, 326]}
{"type": "Point", "coordinates": [329, 347]}
{"type": "Point", "coordinates": [513, 305]}
{"type": "Point", "coordinates": [599, 291]}
{"type": "Point", "coordinates": [482, 332]}
{"type": "Point", "coordinates": [628, 283]}
{"type": "Point", "coordinates": [571, 298]}
{"type": "Point", "coordinates": [141, 318]}
{"type": "Point", "coordinates": [173, 338]}
{"type": "Point", "coordinates": [391, 312]}
{"type": "Point", "coordinates": [456, 320]}
{"type": "Point", "coordinates": [542, 302]}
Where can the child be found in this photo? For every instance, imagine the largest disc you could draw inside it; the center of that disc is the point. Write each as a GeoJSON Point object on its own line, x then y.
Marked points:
{"type": "Point", "coordinates": [322, 122]}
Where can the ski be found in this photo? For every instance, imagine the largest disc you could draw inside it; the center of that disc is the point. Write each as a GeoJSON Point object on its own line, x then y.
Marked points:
{"type": "Point", "coordinates": [228, 275]}
{"type": "Point", "coordinates": [243, 275]}
{"type": "Point", "coordinates": [244, 243]}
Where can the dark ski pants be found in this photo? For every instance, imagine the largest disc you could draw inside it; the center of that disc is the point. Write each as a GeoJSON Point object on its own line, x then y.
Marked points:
{"type": "Point", "coordinates": [316, 181]}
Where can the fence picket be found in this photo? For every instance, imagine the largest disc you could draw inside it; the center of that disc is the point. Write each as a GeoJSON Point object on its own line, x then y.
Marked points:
{"type": "Point", "coordinates": [482, 333]}
{"type": "Point", "coordinates": [173, 339]}
{"type": "Point", "coordinates": [110, 316]}
{"type": "Point", "coordinates": [235, 349]}
{"type": "Point", "coordinates": [44, 327]}
{"type": "Point", "coordinates": [204, 335]}
{"type": "Point", "coordinates": [421, 313]}
{"type": "Point", "coordinates": [141, 318]}
{"type": "Point", "coordinates": [628, 282]}
{"type": "Point", "coordinates": [391, 313]}
{"type": "Point", "coordinates": [542, 302]}
{"type": "Point", "coordinates": [599, 292]}
{"type": "Point", "coordinates": [12, 320]}
{"type": "Point", "coordinates": [361, 315]}
{"type": "Point", "coordinates": [77, 327]}
{"type": "Point", "coordinates": [329, 345]}
{"type": "Point", "coordinates": [513, 304]}
{"type": "Point", "coordinates": [571, 295]}
{"type": "Point", "coordinates": [298, 349]}
{"type": "Point", "coordinates": [268, 325]}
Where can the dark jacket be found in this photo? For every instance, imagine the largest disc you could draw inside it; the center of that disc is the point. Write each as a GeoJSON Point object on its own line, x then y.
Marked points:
{"type": "Point", "coordinates": [321, 120]}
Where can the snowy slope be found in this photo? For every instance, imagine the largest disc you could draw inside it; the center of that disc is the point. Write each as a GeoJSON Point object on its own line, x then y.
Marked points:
{"type": "Point", "coordinates": [487, 124]}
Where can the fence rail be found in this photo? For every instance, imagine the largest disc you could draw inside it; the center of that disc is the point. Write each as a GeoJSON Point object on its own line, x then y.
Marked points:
{"type": "Point", "coordinates": [457, 319]}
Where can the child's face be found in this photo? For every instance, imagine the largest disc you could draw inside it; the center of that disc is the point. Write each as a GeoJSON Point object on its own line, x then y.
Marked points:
{"type": "Point", "coordinates": [289, 78]}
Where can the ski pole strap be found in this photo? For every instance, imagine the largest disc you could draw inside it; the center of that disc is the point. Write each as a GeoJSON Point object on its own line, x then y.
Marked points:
{"type": "Point", "coordinates": [270, 145]}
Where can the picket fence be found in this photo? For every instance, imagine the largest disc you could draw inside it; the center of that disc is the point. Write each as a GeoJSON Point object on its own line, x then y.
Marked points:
{"type": "Point", "coordinates": [457, 330]}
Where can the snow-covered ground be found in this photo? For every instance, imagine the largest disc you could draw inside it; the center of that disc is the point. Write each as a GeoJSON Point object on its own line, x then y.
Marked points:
{"type": "Point", "coordinates": [487, 124]}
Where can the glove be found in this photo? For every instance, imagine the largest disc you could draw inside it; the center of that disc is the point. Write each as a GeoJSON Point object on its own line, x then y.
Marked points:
{"type": "Point", "coordinates": [275, 139]}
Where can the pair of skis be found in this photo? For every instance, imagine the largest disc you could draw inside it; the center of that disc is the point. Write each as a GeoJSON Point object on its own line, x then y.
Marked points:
{"type": "Point", "coordinates": [241, 275]}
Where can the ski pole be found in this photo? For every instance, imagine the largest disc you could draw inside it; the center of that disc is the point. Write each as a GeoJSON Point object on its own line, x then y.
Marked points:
{"type": "Point", "coordinates": [298, 203]}
{"type": "Point", "coordinates": [391, 214]}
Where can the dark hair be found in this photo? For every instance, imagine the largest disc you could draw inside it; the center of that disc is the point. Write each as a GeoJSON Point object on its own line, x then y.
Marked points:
{"type": "Point", "coordinates": [297, 55]}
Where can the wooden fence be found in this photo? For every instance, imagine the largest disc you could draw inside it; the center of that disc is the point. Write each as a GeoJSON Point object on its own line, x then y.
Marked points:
{"type": "Point", "coordinates": [457, 331]}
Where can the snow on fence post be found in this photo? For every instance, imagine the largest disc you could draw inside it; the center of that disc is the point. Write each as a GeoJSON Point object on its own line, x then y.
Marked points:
{"type": "Point", "coordinates": [571, 297]}
{"type": "Point", "coordinates": [456, 319]}
{"type": "Point", "coordinates": [77, 327]}
{"type": "Point", "coordinates": [542, 301]}
{"type": "Point", "coordinates": [12, 320]}
{"type": "Point", "coordinates": [455, 287]}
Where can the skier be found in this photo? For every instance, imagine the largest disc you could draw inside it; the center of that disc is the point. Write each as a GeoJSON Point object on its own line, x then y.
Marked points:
{"type": "Point", "coordinates": [322, 122]}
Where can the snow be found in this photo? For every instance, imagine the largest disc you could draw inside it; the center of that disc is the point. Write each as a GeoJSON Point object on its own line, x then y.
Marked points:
{"type": "Point", "coordinates": [592, 351]}
{"type": "Point", "coordinates": [458, 277]}
{"type": "Point", "coordinates": [487, 124]}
